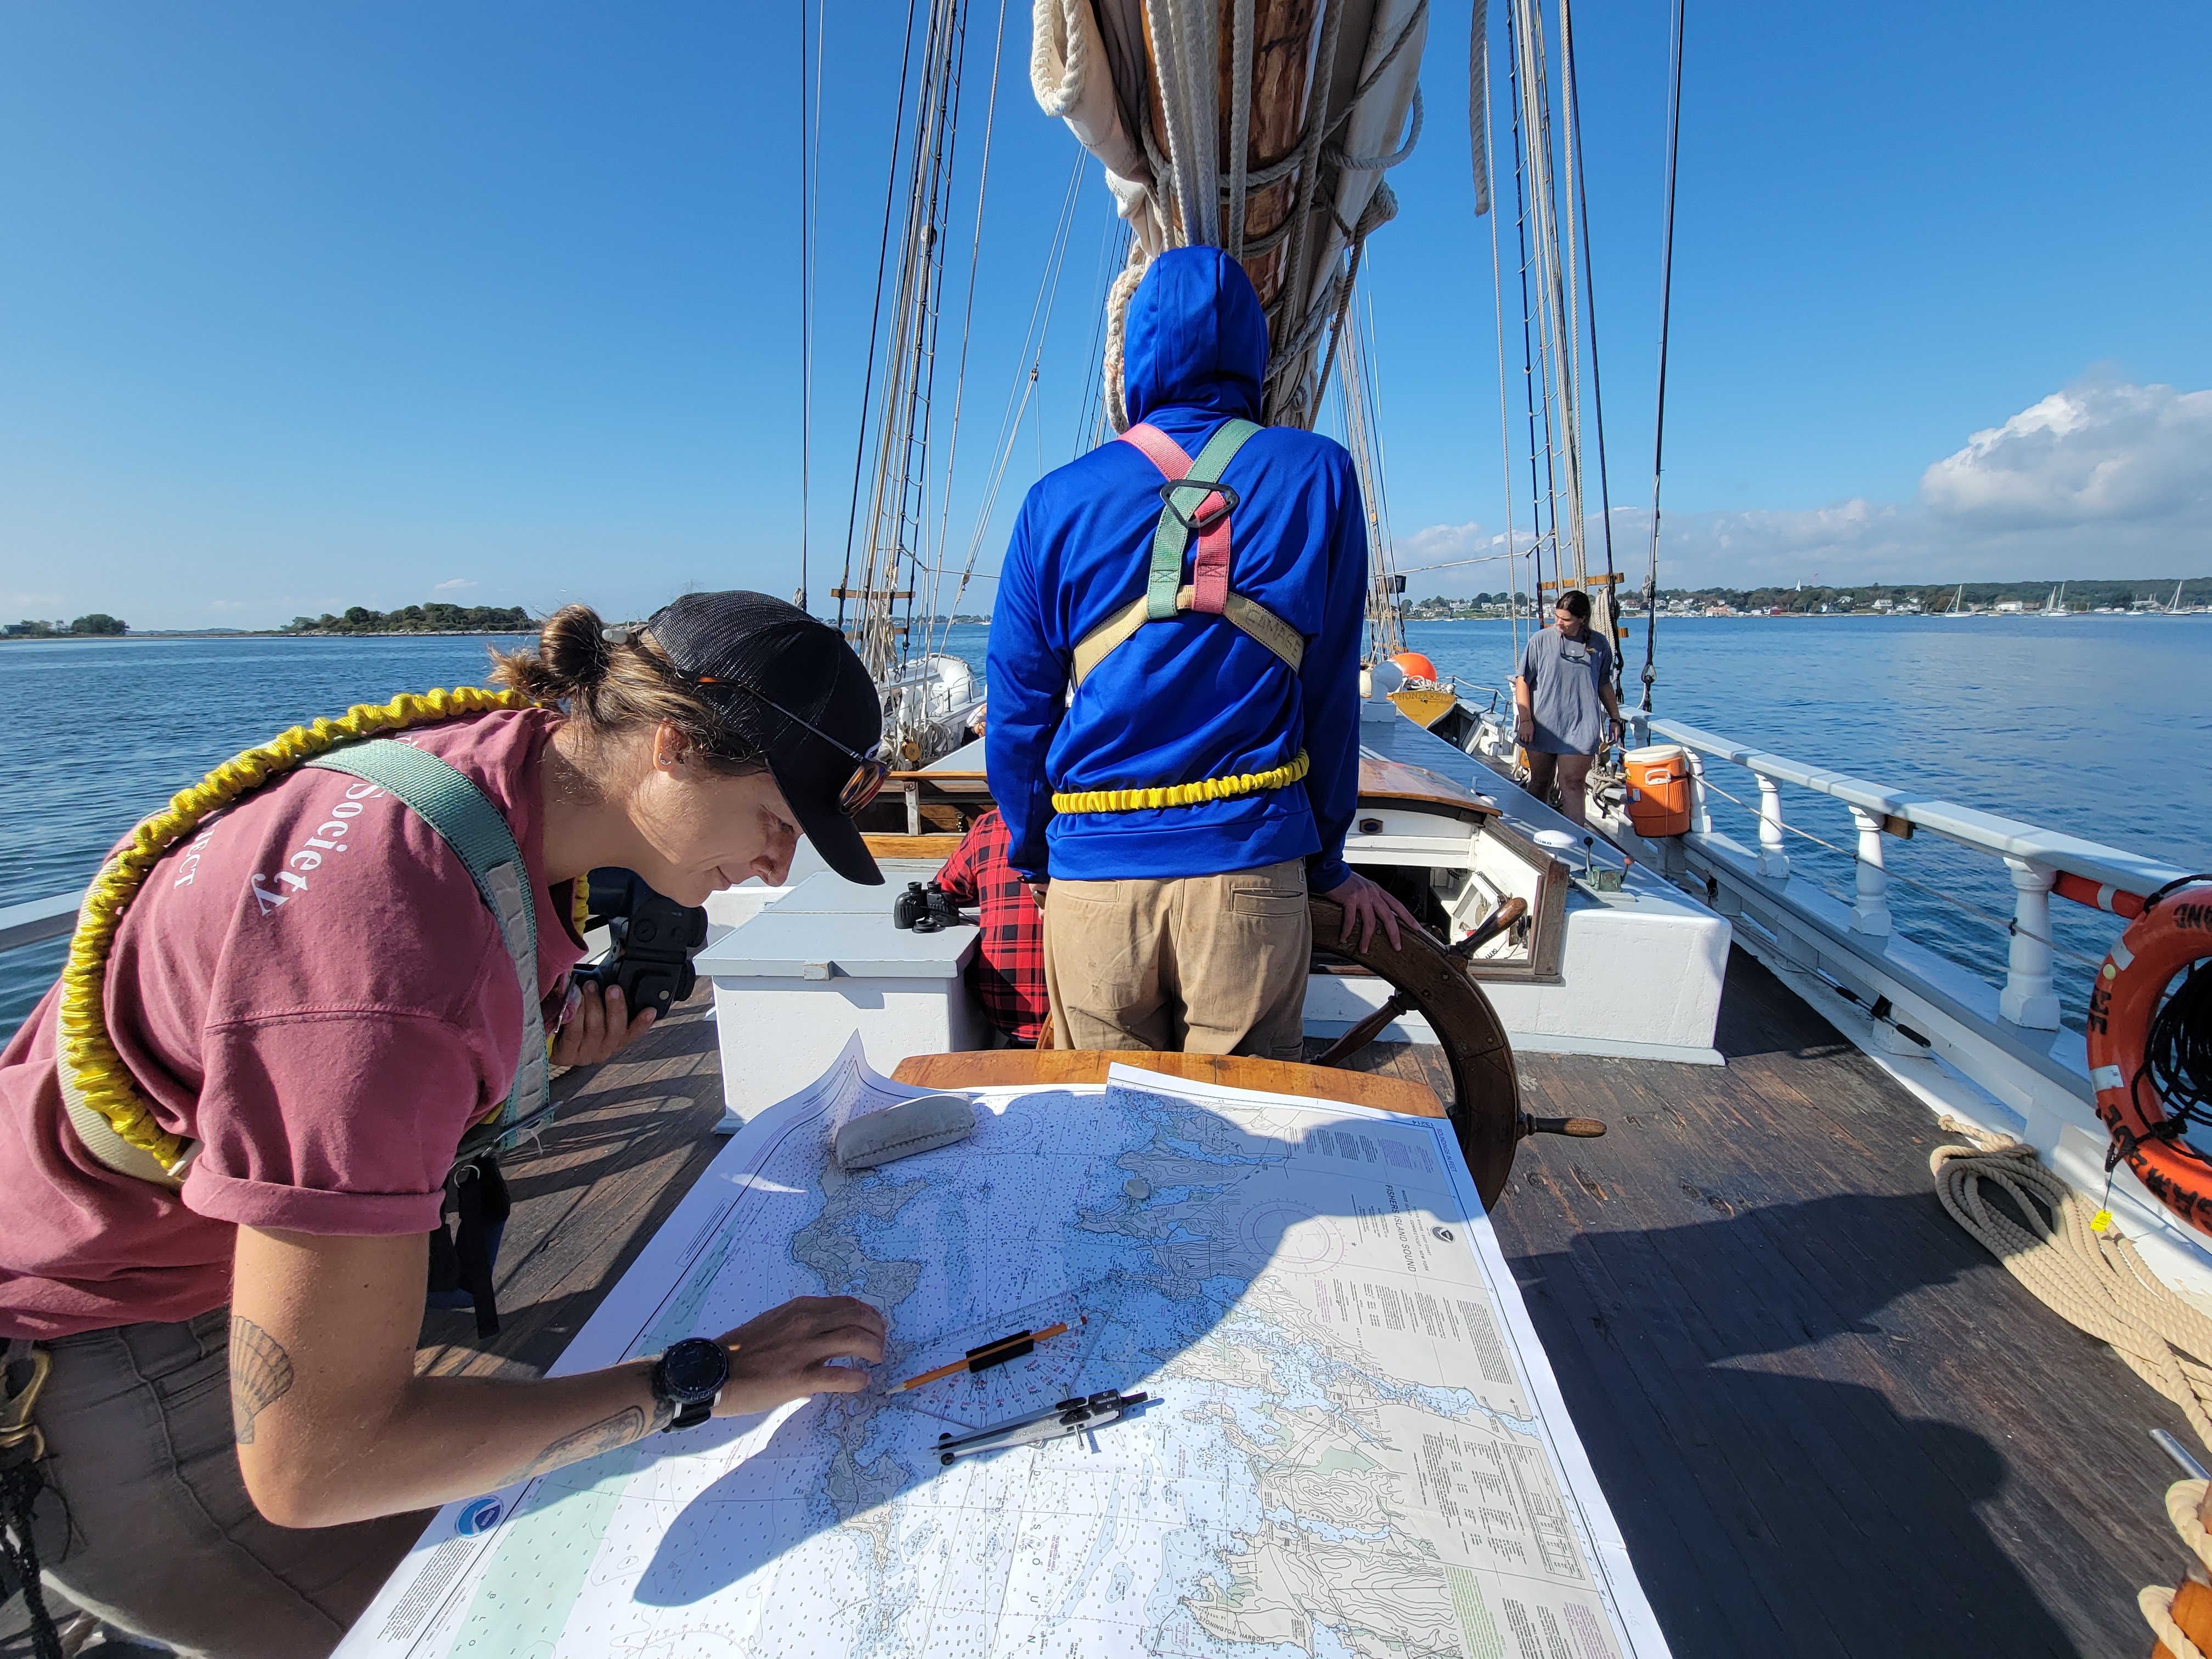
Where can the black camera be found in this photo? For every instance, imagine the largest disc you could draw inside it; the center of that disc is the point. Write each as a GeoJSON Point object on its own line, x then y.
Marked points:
{"type": "Point", "coordinates": [654, 938]}
{"type": "Point", "coordinates": [925, 910]}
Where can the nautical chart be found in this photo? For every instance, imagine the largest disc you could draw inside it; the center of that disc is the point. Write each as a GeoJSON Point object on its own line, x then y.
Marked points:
{"type": "Point", "coordinates": [1353, 1444]}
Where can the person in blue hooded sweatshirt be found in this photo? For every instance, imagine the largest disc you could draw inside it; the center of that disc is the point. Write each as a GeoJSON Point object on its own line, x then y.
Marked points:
{"type": "Point", "coordinates": [1175, 702]}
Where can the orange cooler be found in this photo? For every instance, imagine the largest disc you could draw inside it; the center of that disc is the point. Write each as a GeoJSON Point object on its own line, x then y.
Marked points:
{"type": "Point", "coordinates": [1659, 790]}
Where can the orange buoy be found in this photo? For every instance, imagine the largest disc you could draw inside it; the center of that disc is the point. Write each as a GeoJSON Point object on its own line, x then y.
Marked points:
{"type": "Point", "coordinates": [2172, 933]}
{"type": "Point", "coordinates": [1659, 790]}
{"type": "Point", "coordinates": [1415, 667]}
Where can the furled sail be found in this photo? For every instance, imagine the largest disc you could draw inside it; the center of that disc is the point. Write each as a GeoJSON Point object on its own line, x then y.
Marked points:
{"type": "Point", "coordinates": [1263, 127]}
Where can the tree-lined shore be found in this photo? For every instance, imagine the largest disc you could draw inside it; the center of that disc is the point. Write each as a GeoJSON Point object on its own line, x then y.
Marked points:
{"type": "Point", "coordinates": [432, 618]}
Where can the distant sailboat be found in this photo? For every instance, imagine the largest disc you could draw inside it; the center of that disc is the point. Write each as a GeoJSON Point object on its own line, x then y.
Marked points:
{"type": "Point", "coordinates": [2055, 605]}
{"type": "Point", "coordinates": [1959, 598]}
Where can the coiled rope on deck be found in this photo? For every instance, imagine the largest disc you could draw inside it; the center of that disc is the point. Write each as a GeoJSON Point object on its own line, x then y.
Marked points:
{"type": "Point", "coordinates": [2095, 1280]}
{"type": "Point", "coordinates": [88, 1059]}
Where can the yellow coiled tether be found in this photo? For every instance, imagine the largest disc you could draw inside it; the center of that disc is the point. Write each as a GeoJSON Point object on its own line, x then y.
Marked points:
{"type": "Point", "coordinates": [1183, 794]}
{"type": "Point", "coordinates": [92, 1074]}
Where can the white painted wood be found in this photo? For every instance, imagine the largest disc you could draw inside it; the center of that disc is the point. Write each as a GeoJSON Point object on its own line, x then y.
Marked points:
{"type": "Point", "coordinates": [1870, 914]}
{"type": "Point", "coordinates": [1773, 861]}
{"type": "Point", "coordinates": [2028, 998]}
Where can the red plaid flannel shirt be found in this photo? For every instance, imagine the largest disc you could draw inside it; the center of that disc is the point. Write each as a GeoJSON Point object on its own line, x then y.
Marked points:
{"type": "Point", "coordinates": [1008, 971]}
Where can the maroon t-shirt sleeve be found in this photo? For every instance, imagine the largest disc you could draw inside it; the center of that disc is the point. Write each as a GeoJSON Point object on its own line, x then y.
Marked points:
{"type": "Point", "coordinates": [338, 1123]}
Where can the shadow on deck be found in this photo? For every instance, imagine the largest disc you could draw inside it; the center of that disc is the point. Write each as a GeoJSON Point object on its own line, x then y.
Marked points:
{"type": "Point", "coordinates": [1827, 1423]}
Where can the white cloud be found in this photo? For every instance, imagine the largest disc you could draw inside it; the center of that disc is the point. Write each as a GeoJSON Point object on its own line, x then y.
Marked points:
{"type": "Point", "coordinates": [447, 587]}
{"type": "Point", "coordinates": [2102, 479]}
{"type": "Point", "coordinates": [227, 604]}
{"type": "Point", "coordinates": [2096, 454]}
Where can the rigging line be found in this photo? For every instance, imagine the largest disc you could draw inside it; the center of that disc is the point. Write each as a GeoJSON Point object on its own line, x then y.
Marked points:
{"type": "Point", "coordinates": [1056, 254]}
{"type": "Point", "coordinates": [806, 318]}
{"type": "Point", "coordinates": [967, 321]}
{"type": "Point", "coordinates": [1113, 253]}
{"type": "Point", "coordinates": [810, 192]}
{"type": "Point", "coordinates": [1562, 434]}
{"type": "Point", "coordinates": [1479, 558]}
{"type": "Point", "coordinates": [1570, 408]}
{"type": "Point", "coordinates": [1597, 385]}
{"type": "Point", "coordinates": [1487, 206]}
{"type": "Point", "coordinates": [1376, 426]}
{"type": "Point", "coordinates": [875, 310]}
{"type": "Point", "coordinates": [1666, 305]}
{"type": "Point", "coordinates": [1528, 349]}
{"type": "Point", "coordinates": [1009, 426]}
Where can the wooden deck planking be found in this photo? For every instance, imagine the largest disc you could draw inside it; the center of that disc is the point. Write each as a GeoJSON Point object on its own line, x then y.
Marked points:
{"type": "Point", "coordinates": [631, 1138]}
{"type": "Point", "coordinates": [1827, 1422]}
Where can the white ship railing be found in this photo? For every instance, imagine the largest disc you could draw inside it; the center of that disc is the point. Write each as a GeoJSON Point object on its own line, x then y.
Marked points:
{"type": "Point", "coordinates": [1907, 1004]}
{"type": "Point", "coordinates": [39, 920]}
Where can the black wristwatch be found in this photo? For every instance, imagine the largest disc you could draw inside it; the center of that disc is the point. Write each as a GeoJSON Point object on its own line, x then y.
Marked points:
{"type": "Point", "coordinates": [689, 1376]}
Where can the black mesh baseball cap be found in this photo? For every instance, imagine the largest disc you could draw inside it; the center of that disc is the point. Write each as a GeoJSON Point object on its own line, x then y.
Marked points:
{"type": "Point", "coordinates": [790, 687]}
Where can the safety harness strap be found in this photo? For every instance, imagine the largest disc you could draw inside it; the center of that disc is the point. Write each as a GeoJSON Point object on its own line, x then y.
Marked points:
{"type": "Point", "coordinates": [444, 798]}
{"type": "Point", "coordinates": [1247, 615]}
{"type": "Point", "coordinates": [1180, 517]}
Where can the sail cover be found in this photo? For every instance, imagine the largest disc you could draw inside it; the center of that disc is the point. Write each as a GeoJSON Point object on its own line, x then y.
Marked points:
{"type": "Point", "coordinates": [1263, 127]}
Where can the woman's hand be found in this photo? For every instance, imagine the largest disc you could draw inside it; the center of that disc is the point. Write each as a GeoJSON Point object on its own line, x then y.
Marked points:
{"type": "Point", "coordinates": [793, 1351]}
{"type": "Point", "coordinates": [596, 1027]}
{"type": "Point", "coordinates": [1524, 728]}
{"type": "Point", "coordinates": [1367, 907]}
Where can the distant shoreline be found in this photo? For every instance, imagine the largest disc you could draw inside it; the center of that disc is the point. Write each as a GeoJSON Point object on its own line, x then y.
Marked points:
{"type": "Point", "coordinates": [157, 637]}
{"type": "Point", "coordinates": [150, 636]}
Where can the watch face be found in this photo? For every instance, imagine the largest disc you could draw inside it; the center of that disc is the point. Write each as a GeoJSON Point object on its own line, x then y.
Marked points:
{"type": "Point", "coordinates": [694, 1369]}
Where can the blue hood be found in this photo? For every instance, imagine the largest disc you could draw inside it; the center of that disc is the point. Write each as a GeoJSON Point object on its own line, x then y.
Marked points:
{"type": "Point", "coordinates": [1196, 337]}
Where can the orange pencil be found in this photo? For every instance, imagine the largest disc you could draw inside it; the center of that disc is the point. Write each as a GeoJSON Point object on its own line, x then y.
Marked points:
{"type": "Point", "coordinates": [990, 1355]}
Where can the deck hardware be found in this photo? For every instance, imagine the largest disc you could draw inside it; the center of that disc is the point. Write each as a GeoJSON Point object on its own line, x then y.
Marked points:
{"type": "Point", "coordinates": [1581, 1128]}
{"type": "Point", "coordinates": [2179, 1454]}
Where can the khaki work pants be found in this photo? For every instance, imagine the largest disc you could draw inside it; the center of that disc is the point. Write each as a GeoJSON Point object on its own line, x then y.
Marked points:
{"type": "Point", "coordinates": [145, 1521]}
{"type": "Point", "coordinates": [1203, 965]}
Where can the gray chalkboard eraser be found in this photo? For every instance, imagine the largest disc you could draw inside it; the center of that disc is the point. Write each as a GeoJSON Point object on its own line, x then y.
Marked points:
{"type": "Point", "coordinates": [920, 1124]}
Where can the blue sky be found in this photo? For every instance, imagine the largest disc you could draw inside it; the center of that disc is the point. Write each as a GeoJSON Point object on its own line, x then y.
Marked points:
{"type": "Point", "coordinates": [301, 308]}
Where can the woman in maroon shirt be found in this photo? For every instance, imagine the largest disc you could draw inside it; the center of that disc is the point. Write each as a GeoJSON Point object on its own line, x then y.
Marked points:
{"type": "Point", "coordinates": [325, 1037]}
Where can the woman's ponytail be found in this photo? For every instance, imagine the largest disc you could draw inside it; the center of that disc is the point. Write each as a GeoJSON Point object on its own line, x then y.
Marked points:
{"type": "Point", "coordinates": [605, 684]}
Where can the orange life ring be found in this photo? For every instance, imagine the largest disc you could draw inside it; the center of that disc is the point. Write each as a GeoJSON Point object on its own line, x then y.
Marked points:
{"type": "Point", "coordinates": [2173, 932]}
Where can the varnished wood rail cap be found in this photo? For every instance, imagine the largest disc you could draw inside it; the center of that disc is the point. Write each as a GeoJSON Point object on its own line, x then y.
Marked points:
{"type": "Point", "coordinates": [1002, 1068]}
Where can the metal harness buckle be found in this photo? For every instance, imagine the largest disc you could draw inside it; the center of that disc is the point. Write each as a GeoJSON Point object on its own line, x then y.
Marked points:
{"type": "Point", "coordinates": [16, 1428]}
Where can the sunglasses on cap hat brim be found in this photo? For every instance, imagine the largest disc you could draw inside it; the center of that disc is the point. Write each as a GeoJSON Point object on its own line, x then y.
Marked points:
{"type": "Point", "coordinates": [869, 771]}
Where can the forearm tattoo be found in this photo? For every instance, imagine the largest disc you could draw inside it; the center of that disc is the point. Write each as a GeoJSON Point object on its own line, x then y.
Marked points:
{"type": "Point", "coordinates": [631, 1422]}
{"type": "Point", "coordinates": [260, 1374]}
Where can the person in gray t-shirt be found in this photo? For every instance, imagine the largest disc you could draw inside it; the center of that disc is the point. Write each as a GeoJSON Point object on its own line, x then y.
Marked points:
{"type": "Point", "coordinates": [1563, 704]}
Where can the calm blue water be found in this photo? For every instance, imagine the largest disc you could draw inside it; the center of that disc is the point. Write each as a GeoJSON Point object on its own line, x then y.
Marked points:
{"type": "Point", "coordinates": [2097, 726]}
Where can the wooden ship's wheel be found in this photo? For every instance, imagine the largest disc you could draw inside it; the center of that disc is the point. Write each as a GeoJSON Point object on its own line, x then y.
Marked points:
{"type": "Point", "coordinates": [1430, 979]}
